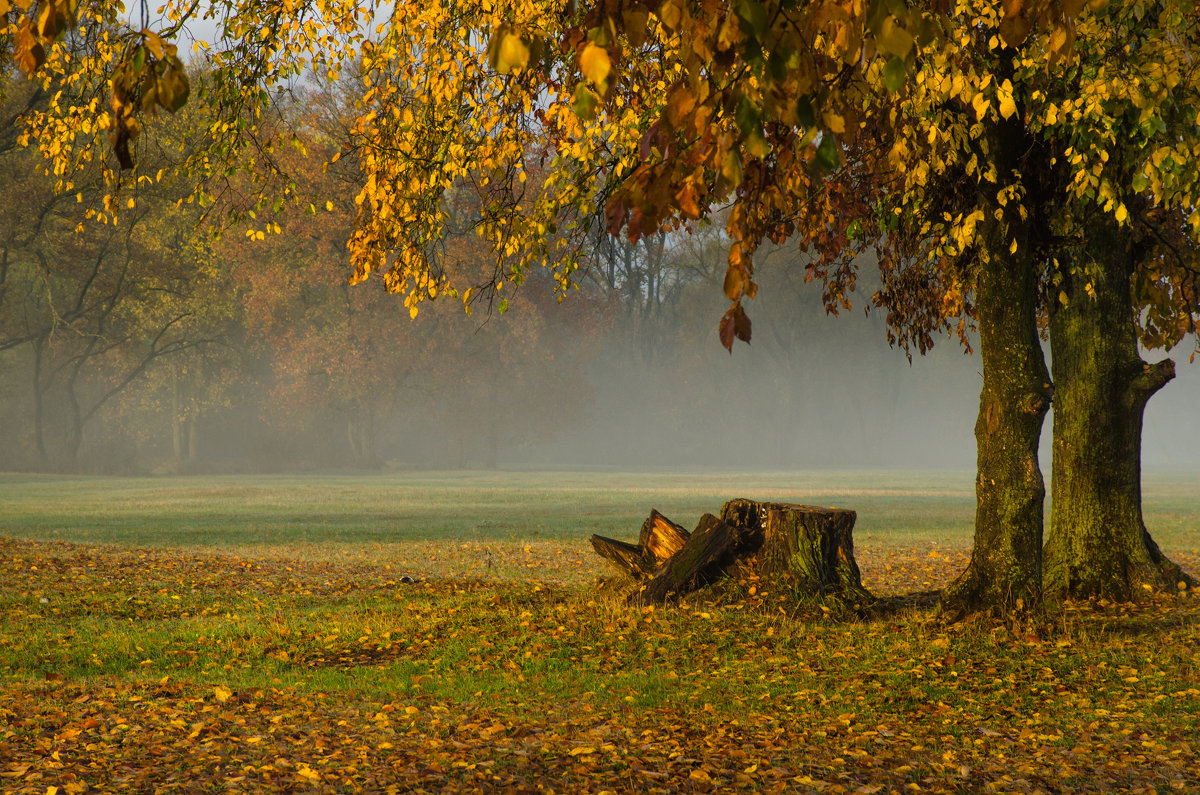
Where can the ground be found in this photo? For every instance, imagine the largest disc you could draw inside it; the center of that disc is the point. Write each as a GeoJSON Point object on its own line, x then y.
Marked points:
{"type": "Point", "coordinates": [266, 666]}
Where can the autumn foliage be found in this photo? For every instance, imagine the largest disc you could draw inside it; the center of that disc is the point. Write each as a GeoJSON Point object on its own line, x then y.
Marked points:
{"type": "Point", "coordinates": [976, 147]}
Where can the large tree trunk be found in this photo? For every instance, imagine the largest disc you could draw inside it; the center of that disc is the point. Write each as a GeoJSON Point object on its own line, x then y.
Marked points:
{"type": "Point", "coordinates": [1098, 546]}
{"type": "Point", "coordinates": [1005, 572]}
{"type": "Point", "coordinates": [193, 444]}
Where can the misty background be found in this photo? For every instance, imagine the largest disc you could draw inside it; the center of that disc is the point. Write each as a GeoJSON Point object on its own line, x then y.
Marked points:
{"type": "Point", "coordinates": [146, 346]}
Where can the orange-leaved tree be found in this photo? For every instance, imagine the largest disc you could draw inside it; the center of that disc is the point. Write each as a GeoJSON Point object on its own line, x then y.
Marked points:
{"type": "Point", "coordinates": [914, 126]}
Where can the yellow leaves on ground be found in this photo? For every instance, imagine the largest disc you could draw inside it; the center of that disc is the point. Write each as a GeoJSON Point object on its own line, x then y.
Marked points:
{"type": "Point", "coordinates": [466, 690]}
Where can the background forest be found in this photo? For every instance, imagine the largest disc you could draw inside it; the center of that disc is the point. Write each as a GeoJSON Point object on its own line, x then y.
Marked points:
{"type": "Point", "coordinates": [151, 346]}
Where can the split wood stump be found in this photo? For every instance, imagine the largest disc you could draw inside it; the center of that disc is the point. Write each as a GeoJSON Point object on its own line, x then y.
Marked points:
{"type": "Point", "coordinates": [803, 547]}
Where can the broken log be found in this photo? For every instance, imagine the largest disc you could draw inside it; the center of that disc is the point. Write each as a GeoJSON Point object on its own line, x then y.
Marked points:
{"type": "Point", "coordinates": [661, 537]}
{"type": "Point", "coordinates": [710, 547]}
{"type": "Point", "coordinates": [629, 558]}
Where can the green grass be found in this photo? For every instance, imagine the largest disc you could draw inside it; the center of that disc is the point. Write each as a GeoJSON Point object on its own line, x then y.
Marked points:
{"type": "Point", "coordinates": [221, 633]}
{"type": "Point", "coordinates": [240, 511]}
{"type": "Point", "coordinates": [235, 511]}
{"type": "Point", "coordinates": [507, 524]}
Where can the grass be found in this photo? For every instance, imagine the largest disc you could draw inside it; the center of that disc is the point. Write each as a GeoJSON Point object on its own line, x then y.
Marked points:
{"type": "Point", "coordinates": [170, 634]}
{"type": "Point", "coordinates": [226, 511]}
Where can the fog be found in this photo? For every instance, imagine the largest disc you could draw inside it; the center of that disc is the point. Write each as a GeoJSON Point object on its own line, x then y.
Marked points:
{"type": "Point", "coordinates": [626, 373]}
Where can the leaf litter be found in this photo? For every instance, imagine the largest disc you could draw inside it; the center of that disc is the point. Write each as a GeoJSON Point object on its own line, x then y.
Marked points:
{"type": "Point", "coordinates": [130, 670]}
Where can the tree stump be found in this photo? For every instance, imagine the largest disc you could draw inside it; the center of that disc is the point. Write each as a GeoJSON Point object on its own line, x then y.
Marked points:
{"type": "Point", "coordinates": [808, 549]}
{"type": "Point", "coordinates": [632, 559]}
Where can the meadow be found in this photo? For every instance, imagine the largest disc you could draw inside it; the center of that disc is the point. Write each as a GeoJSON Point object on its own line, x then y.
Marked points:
{"type": "Point", "coordinates": [422, 631]}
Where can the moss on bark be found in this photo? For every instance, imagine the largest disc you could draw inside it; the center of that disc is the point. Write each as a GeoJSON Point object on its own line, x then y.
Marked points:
{"type": "Point", "coordinates": [1004, 574]}
{"type": "Point", "coordinates": [1098, 546]}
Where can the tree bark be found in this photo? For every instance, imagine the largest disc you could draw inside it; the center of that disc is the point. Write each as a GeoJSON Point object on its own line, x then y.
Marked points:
{"type": "Point", "coordinates": [660, 537]}
{"type": "Point", "coordinates": [39, 404]}
{"type": "Point", "coordinates": [1098, 546]}
{"type": "Point", "coordinates": [193, 443]}
{"type": "Point", "coordinates": [1004, 574]}
{"type": "Point", "coordinates": [179, 436]}
{"type": "Point", "coordinates": [633, 559]}
{"type": "Point", "coordinates": [360, 433]}
{"type": "Point", "coordinates": [711, 547]}
{"type": "Point", "coordinates": [807, 548]}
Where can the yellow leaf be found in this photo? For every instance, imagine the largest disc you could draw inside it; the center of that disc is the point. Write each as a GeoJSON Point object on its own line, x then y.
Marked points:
{"type": "Point", "coordinates": [513, 54]}
{"type": "Point", "coordinates": [307, 772]}
{"type": "Point", "coordinates": [595, 64]}
{"type": "Point", "coordinates": [670, 14]}
{"type": "Point", "coordinates": [1005, 94]}
{"type": "Point", "coordinates": [835, 123]}
{"type": "Point", "coordinates": [582, 750]}
{"type": "Point", "coordinates": [981, 105]}
{"type": "Point", "coordinates": [154, 42]}
{"type": "Point", "coordinates": [222, 694]}
{"type": "Point", "coordinates": [329, 206]}
{"type": "Point", "coordinates": [1058, 39]}
{"type": "Point", "coordinates": [893, 39]}
{"type": "Point", "coordinates": [680, 103]}
{"type": "Point", "coordinates": [1121, 213]}
{"type": "Point", "coordinates": [731, 167]}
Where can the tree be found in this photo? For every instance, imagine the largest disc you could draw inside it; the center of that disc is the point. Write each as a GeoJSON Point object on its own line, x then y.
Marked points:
{"type": "Point", "coordinates": [663, 110]}
{"type": "Point", "coordinates": [1130, 259]}
{"type": "Point", "coordinates": [95, 309]}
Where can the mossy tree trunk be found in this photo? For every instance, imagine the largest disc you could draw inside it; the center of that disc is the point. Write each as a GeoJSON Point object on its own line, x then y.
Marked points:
{"type": "Point", "coordinates": [1004, 575]}
{"type": "Point", "coordinates": [1098, 545]}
